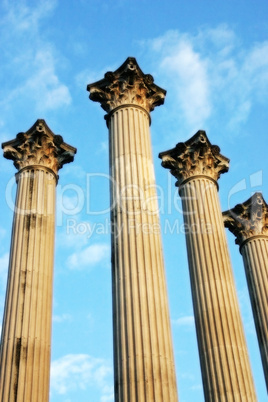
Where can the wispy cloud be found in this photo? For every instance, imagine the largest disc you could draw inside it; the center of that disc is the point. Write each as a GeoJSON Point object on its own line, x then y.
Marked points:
{"type": "Point", "coordinates": [4, 260]}
{"type": "Point", "coordinates": [31, 61]}
{"type": "Point", "coordinates": [68, 239]}
{"type": "Point", "coordinates": [197, 387]}
{"type": "Point", "coordinates": [88, 76]}
{"type": "Point", "coordinates": [62, 318]}
{"type": "Point", "coordinates": [246, 311]}
{"type": "Point", "coordinates": [211, 76]}
{"type": "Point", "coordinates": [90, 256]}
{"type": "Point", "coordinates": [24, 19]}
{"type": "Point", "coordinates": [44, 86]}
{"type": "Point", "coordinates": [184, 321]}
{"type": "Point", "coordinates": [189, 74]}
{"type": "Point", "coordinates": [81, 371]}
{"type": "Point", "coordinates": [2, 233]}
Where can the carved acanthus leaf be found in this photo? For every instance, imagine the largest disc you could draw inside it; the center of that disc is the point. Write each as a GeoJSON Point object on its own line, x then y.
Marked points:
{"type": "Point", "coordinates": [248, 219]}
{"type": "Point", "coordinates": [39, 146]}
{"type": "Point", "coordinates": [195, 157]}
{"type": "Point", "coordinates": [127, 85]}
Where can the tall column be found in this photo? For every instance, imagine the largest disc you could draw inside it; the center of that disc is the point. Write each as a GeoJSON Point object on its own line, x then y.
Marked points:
{"type": "Point", "coordinates": [38, 154]}
{"type": "Point", "coordinates": [225, 367]}
{"type": "Point", "coordinates": [249, 223]}
{"type": "Point", "coordinates": [143, 356]}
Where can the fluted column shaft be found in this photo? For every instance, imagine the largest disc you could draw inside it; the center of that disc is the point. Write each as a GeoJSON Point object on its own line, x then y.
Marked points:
{"type": "Point", "coordinates": [143, 356]}
{"type": "Point", "coordinates": [249, 223]}
{"type": "Point", "coordinates": [255, 257]}
{"type": "Point", "coordinates": [222, 347]}
{"type": "Point", "coordinates": [26, 337]}
{"type": "Point", "coordinates": [144, 369]}
{"type": "Point", "coordinates": [26, 330]}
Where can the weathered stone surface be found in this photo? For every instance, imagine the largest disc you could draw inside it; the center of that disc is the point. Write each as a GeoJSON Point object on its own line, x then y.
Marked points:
{"type": "Point", "coordinates": [225, 367]}
{"type": "Point", "coordinates": [143, 355]}
{"type": "Point", "coordinates": [39, 146]}
{"type": "Point", "coordinates": [127, 85]}
{"type": "Point", "coordinates": [248, 219]}
{"type": "Point", "coordinates": [195, 157]}
{"type": "Point", "coordinates": [26, 330]}
{"type": "Point", "coordinates": [249, 223]}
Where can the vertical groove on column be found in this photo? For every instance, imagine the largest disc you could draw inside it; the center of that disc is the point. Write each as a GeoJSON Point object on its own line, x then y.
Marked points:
{"type": "Point", "coordinates": [144, 367]}
{"type": "Point", "coordinates": [143, 337]}
{"type": "Point", "coordinates": [36, 389]}
{"type": "Point", "coordinates": [222, 347]}
{"type": "Point", "coordinates": [27, 321]}
{"type": "Point", "coordinates": [152, 285]}
{"type": "Point", "coordinates": [255, 254]}
{"type": "Point", "coordinates": [26, 332]}
{"type": "Point", "coordinates": [226, 329]}
{"type": "Point", "coordinates": [191, 246]}
{"type": "Point", "coordinates": [158, 280]}
{"type": "Point", "coordinates": [232, 322]}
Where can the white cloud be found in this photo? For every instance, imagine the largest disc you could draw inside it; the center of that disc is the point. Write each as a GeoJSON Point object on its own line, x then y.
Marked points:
{"type": "Point", "coordinates": [190, 77]}
{"type": "Point", "coordinates": [90, 256]}
{"type": "Point", "coordinates": [85, 77]}
{"type": "Point", "coordinates": [197, 387]}
{"type": "Point", "coordinates": [255, 70]}
{"type": "Point", "coordinates": [2, 233]}
{"type": "Point", "coordinates": [103, 147]}
{"type": "Point", "coordinates": [211, 76]}
{"type": "Point", "coordinates": [70, 203]}
{"type": "Point", "coordinates": [25, 19]}
{"type": "Point", "coordinates": [61, 318]}
{"type": "Point", "coordinates": [30, 61]}
{"type": "Point", "coordinates": [184, 73]}
{"type": "Point", "coordinates": [108, 397]}
{"type": "Point", "coordinates": [76, 172]}
{"type": "Point", "coordinates": [184, 321]}
{"type": "Point", "coordinates": [245, 307]}
{"type": "Point", "coordinates": [43, 86]}
{"type": "Point", "coordinates": [70, 238]}
{"type": "Point", "coordinates": [81, 371]}
{"type": "Point", "coordinates": [4, 260]}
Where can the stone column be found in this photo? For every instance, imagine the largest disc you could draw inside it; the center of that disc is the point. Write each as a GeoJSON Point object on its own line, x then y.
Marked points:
{"type": "Point", "coordinates": [225, 367]}
{"type": "Point", "coordinates": [249, 223]}
{"type": "Point", "coordinates": [143, 356]}
{"type": "Point", "coordinates": [38, 154]}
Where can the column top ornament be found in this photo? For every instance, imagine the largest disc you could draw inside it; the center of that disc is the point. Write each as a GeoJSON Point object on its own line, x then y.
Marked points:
{"type": "Point", "coordinates": [39, 146]}
{"type": "Point", "coordinates": [248, 219]}
{"type": "Point", "coordinates": [195, 157]}
{"type": "Point", "coordinates": [127, 85]}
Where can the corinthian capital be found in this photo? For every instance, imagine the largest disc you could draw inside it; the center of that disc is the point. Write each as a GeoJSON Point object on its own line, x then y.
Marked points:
{"type": "Point", "coordinates": [127, 85]}
{"type": "Point", "coordinates": [195, 157]}
{"type": "Point", "coordinates": [39, 146]}
{"type": "Point", "coordinates": [248, 219]}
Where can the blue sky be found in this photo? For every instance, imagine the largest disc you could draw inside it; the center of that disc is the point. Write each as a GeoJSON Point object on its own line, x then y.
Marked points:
{"type": "Point", "coordinates": [212, 58]}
